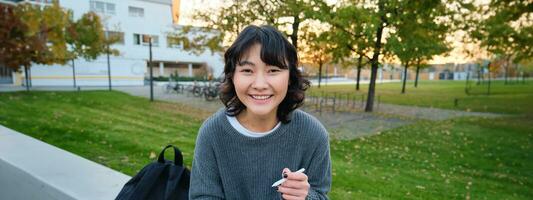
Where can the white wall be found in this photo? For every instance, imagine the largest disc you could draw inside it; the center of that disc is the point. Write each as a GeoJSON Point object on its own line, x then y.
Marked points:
{"type": "Point", "coordinates": [91, 73]}
{"type": "Point", "coordinates": [129, 68]}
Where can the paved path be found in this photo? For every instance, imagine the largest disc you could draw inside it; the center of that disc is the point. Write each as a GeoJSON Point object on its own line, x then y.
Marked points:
{"type": "Point", "coordinates": [435, 114]}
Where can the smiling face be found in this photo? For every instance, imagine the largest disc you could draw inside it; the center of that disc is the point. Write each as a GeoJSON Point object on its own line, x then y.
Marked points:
{"type": "Point", "coordinates": [259, 86]}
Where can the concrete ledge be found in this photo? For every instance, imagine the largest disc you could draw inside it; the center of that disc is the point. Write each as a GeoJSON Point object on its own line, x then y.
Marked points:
{"type": "Point", "coordinates": [32, 169]}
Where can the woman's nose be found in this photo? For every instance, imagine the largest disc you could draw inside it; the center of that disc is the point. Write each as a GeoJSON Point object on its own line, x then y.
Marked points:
{"type": "Point", "coordinates": [260, 82]}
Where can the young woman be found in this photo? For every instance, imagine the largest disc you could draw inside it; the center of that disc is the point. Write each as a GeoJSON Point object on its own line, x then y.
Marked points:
{"type": "Point", "coordinates": [261, 136]}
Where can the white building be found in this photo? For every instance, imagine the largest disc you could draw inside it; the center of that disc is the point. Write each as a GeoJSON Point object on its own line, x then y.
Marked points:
{"type": "Point", "coordinates": [130, 20]}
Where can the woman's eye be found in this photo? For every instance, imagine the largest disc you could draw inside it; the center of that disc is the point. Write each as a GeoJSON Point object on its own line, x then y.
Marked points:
{"type": "Point", "coordinates": [246, 70]}
{"type": "Point", "coordinates": [274, 70]}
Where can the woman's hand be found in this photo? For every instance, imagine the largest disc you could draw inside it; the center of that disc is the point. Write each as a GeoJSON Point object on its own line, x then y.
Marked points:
{"type": "Point", "coordinates": [296, 186]}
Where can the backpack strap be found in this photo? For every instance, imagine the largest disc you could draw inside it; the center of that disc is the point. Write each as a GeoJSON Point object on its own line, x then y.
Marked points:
{"type": "Point", "coordinates": [178, 158]}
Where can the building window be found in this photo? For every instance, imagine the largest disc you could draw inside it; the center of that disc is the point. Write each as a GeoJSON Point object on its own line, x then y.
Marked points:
{"type": "Point", "coordinates": [136, 12]}
{"type": "Point", "coordinates": [136, 39]}
{"type": "Point", "coordinates": [143, 39]}
{"type": "Point", "coordinates": [115, 35]}
{"type": "Point", "coordinates": [103, 7]}
{"type": "Point", "coordinates": [172, 42]}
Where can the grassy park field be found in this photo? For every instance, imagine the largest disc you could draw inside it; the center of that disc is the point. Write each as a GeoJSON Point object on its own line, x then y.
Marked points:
{"type": "Point", "coordinates": [511, 99]}
{"type": "Point", "coordinates": [461, 158]}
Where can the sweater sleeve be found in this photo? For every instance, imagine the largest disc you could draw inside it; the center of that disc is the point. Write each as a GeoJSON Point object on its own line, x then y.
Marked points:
{"type": "Point", "coordinates": [319, 176]}
{"type": "Point", "coordinates": [205, 178]}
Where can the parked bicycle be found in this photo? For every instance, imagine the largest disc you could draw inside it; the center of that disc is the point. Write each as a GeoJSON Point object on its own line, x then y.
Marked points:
{"type": "Point", "coordinates": [173, 87]}
{"type": "Point", "coordinates": [211, 91]}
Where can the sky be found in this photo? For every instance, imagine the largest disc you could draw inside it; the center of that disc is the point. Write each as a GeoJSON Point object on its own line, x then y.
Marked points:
{"type": "Point", "coordinates": [187, 7]}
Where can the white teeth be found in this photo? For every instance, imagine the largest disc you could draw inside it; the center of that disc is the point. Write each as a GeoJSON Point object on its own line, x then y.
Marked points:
{"type": "Point", "coordinates": [261, 97]}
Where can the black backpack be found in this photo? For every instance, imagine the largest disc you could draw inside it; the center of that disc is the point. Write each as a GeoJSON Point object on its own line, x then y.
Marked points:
{"type": "Point", "coordinates": [160, 180]}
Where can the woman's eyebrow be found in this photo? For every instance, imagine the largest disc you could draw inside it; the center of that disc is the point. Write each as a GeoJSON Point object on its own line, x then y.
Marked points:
{"type": "Point", "coordinates": [245, 62]}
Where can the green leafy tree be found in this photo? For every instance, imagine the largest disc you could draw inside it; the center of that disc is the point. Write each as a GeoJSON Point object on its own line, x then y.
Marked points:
{"type": "Point", "coordinates": [316, 50]}
{"type": "Point", "coordinates": [108, 50]}
{"type": "Point", "coordinates": [220, 26]}
{"type": "Point", "coordinates": [418, 38]}
{"type": "Point", "coordinates": [349, 33]}
{"type": "Point", "coordinates": [507, 30]}
{"type": "Point", "coordinates": [223, 25]}
{"type": "Point", "coordinates": [31, 34]}
{"type": "Point", "coordinates": [86, 39]}
{"type": "Point", "coordinates": [380, 21]}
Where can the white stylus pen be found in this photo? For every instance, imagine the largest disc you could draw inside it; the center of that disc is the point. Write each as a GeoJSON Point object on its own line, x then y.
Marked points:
{"type": "Point", "coordinates": [284, 179]}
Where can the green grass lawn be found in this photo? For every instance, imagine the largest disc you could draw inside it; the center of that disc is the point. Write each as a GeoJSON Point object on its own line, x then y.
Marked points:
{"type": "Point", "coordinates": [510, 99]}
{"type": "Point", "coordinates": [455, 159]}
{"type": "Point", "coordinates": [115, 129]}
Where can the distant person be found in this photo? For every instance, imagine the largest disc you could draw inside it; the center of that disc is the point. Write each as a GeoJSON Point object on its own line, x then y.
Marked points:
{"type": "Point", "coordinates": [260, 136]}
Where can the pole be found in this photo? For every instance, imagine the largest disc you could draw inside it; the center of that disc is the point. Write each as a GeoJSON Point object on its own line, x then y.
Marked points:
{"type": "Point", "coordinates": [151, 70]}
{"type": "Point", "coordinates": [108, 67]}
{"type": "Point", "coordinates": [73, 73]}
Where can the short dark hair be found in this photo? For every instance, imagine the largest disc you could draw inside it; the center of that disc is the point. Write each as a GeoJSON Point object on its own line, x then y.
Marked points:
{"type": "Point", "coordinates": [276, 51]}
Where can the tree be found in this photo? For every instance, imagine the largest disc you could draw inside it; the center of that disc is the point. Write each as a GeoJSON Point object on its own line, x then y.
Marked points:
{"type": "Point", "coordinates": [316, 50]}
{"type": "Point", "coordinates": [527, 69]}
{"type": "Point", "coordinates": [223, 25]}
{"type": "Point", "coordinates": [349, 33]}
{"type": "Point", "coordinates": [381, 17]}
{"type": "Point", "coordinates": [108, 40]}
{"type": "Point", "coordinates": [13, 40]}
{"type": "Point", "coordinates": [86, 39]}
{"type": "Point", "coordinates": [418, 38]}
{"type": "Point", "coordinates": [421, 63]}
{"type": "Point", "coordinates": [32, 35]}
{"type": "Point", "coordinates": [506, 31]}
{"type": "Point", "coordinates": [106, 46]}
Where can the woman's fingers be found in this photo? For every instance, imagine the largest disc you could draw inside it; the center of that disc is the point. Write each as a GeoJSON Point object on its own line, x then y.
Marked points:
{"type": "Point", "coordinates": [296, 184]}
{"type": "Point", "coordinates": [297, 176]}
{"type": "Point", "coordinates": [299, 193]}
{"type": "Point", "coordinates": [291, 197]}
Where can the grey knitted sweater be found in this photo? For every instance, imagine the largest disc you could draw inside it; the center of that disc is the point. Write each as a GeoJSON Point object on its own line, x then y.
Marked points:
{"type": "Point", "coordinates": [229, 165]}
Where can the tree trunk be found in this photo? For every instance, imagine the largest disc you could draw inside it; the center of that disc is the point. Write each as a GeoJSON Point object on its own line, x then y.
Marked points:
{"type": "Point", "coordinates": [404, 76]}
{"type": "Point", "coordinates": [516, 74]}
{"type": "Point", "coordinates": [326, 77]}
{"type": "Point", "coordinates": [375, 62]}
{"type": "Point", "coordinates": [74, 73]}
{"type": "Point", "coordinates": [506, 73]}
{"type": "Point", "coordinates": [26, 78]}
{"type": "Point", "coordinates": [359, 66]}
{"type": "Point", "coordinates": [479, 71]}
{"type": "Point", "coordinates": [417, 72]}
{"type": "Point", "coordinates": [295, 27]}
{"type": "Point", "coordinates": [29, 77]}
{"type": "Point", "coordinates": [488, 88]}
{"type": "Point", "coordinates": [467, 84]}
{"type": "Point", "coordinates": [507, 65]}
{"type": "Point", "coordinates": [320, 73]}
